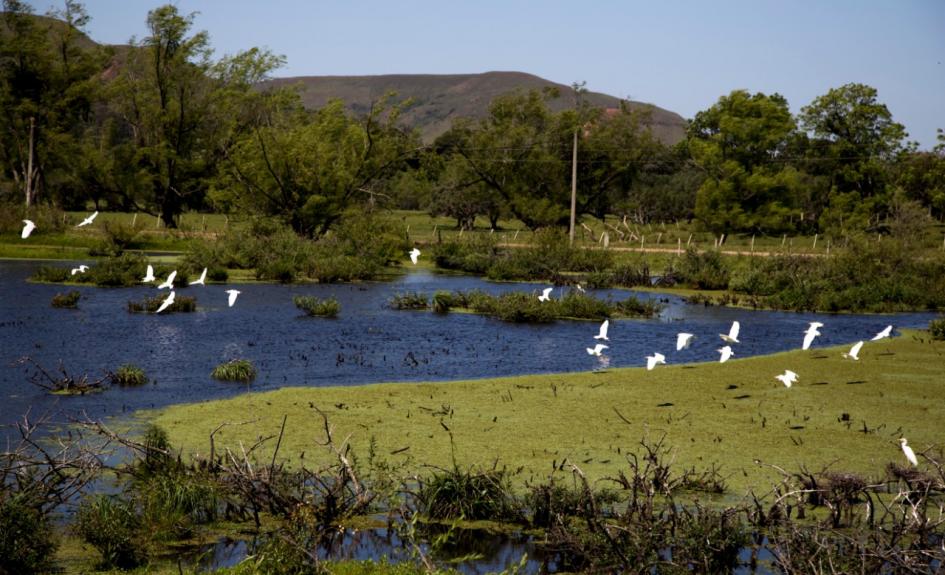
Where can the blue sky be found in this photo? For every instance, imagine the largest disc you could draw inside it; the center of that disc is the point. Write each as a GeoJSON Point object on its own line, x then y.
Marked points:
{"type": "Point", "coordinates": [678, 55]}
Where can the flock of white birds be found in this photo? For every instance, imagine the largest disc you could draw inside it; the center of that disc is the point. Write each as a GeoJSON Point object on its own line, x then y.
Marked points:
{"type": "Point", "coordinates": [683, 339]}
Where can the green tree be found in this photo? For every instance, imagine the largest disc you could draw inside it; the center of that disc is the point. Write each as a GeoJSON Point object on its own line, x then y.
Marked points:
{"type": "Point", "coordinates": [308, 168]}
{"type": "Point", "coordinates": [739, 143]}
{"type": "Point", "coordinates": [921, 176]}
{"type": "Point", "coordinates": [853, 140]}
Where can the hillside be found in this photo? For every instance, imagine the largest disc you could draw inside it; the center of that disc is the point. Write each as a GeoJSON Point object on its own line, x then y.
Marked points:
{"type": "Point", "coordinates": [439, 99]}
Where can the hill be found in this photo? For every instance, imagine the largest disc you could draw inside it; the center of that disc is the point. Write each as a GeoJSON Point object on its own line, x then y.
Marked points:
{"type": "Point", "coordinates": [441, 98]}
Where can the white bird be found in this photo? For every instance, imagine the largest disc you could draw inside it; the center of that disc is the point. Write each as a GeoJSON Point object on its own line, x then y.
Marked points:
{"type": "Point", "coordinates": [787, 378]}
{"type": "Point", "coordinates": [169, 282]}
{"type": "Point", "coordinates": [603, 331]}
{"type": "Point", "coordinates": [149, 277]}
{"type": "Point", "coordinates": [910, 455]}
{"type": "Point", "coordinates": [885, 333]}
{"type": "Point", "coordinates": [233, 293]}
{"type": "Point", "coordinates": [201, 279]}
{"type": "Point", "coordinates": [545, 294]}
{"type": "Point", "coordinates": [726, 353]}
{"type": "Point", "coordinates": [854, 351]}
{"type": "Point", "coordinates": [414, 254]}
{"type": "Point", "coordinates": [683, 340]}
{"type": "Point", "coordinates": [652, 360]}
{"type": "Point", "coordinates": [596, 349]}
{"type": "Point", "coordinates": [166, 303]}
{"type": "Point", "coordinates": [80, 270]}
{"type": "Point", "coordinates": [28, 227]}
{"type": "Point", "coordinates": [87, 220]}
{"type": "Point", "coordinates": [811, 333]}
{"type": "Point", "coordinates": [732, 336]}
{"type": "Point", "coordinates": [579, 288]}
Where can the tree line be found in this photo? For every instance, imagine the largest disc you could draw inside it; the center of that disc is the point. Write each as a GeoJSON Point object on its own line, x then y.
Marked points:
{"type": "Point", "coordinates": [160, 126]}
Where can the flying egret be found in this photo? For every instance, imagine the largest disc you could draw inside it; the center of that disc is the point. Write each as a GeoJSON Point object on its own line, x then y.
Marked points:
{"type": "Point", "coordinates": [854, 351]}
{"type": "Point", "coordinates": [596, 349]}
{"type": "Point", "coordinates": [233, 293]}
{"type": "Point", "coordinates": [169, 282]}
{"type": "Point", "coordinates": [726, 353]}
{"type": "Point", "coordinates": [414, 254]}
{"type": "Point", "coordinates": [683, 340]}
{"type": "Point", "coordinates": [201, 279]}
{"type": "Point", "coordinates": [579, 288]}
{"type": "Point", "coordinates": [910, 455]}
{"type": "Point", "coordinates": [811, 333]}
{"type": "Point", "coordinates": [28, 227]}
{"type": "Point", "coordinates": [603, 331]}
{"type": "Point", "coordinates": [545, 294]}
{"type": "Point", "coordinates": [166, 303]}
{"type": "Point", "coordinates": [652, 360]}
{"type": "Point", "coordinates": [80, 270]}
{"type": "Point", "coordinates": [787, 378]}
{"type": "Point", "coordinates": [885, 333]}
{"type": "Point", "coordinates": [87, 220]}
{"type": "Point", "coordinates": [732, 336]}
{"type": "Point", "coordinates": [149, 277]}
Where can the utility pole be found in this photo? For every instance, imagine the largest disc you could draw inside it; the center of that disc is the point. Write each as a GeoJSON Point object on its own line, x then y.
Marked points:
{"type": "Point", "coordinates": [578, 90]}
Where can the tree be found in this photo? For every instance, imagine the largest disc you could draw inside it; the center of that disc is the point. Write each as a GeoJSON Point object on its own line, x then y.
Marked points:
{"type": "Point", "coordinates": [853, 140]}
{"type": "Point", "coordinates": [921, 176]}
{"type": "Point", "coordinates": [739, 143]}
{"type": "Point", "coordinates": [308, 168]}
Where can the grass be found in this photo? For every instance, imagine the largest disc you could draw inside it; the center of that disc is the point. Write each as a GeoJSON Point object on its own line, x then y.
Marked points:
{"type": "Point", "coordinates": [128, 375]}
{"type": "Point", "coordinates": [595, 419]}
{"type": "Point", "coordinates": [182, 303]}
{"type": "Point", "coordinates": [67, 300]}
{"type": "Point", "coordinates": [316, 307]}
{"type": "Point", "coordinates": [241, 370]}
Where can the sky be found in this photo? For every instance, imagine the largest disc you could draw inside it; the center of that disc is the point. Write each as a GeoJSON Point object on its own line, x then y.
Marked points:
{"type": "Point", "coordinates": [679, 55]}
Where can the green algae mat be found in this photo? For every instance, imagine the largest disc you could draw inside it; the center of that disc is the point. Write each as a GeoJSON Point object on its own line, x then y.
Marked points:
{"type": "Point", "coordinates": [842, 415]}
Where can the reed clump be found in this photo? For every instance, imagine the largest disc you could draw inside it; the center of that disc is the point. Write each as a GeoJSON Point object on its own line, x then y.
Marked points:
{"type": "Point", "coordinates": [67, 300]}
{"type": "Point", "coordinates": [241, 370]}
{"type": "Point", "coordinates": [317, 307]}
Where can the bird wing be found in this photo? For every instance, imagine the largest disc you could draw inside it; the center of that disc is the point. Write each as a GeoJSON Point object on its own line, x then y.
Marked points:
{"type": "Point", "coordinates": [809, 336]}
{"type": "Point", "coordinates": [603, 330]}
{"type": "Point", "coordinates": [650, 362]}
{"type": "Point", "coordinates": [166, 303]}
{"type": "Point", "coordinates": [659, 357]}
{"type": "Point", "coordinates": [855, 350]}
{"type": "Point", "coordinates": [547, 292]}
{"type": "Point", "coordinates": [733, 333]}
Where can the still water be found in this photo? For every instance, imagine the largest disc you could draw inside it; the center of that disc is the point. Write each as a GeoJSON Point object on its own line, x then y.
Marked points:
{"type": "Point", "coordinates": [367, 343]}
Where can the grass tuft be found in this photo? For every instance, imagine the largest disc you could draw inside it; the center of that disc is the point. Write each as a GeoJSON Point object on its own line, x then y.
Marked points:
{"type": "Point", "coordinates": [241, 370]}
{"type": "Point", "coordinates": [317, 307]}
{"type": "Point", "coordinates": [128, 375]}
{"type": "Point", "coordinates": [67, 300]}
{"type": "Point", "coordinates": [151, 304]}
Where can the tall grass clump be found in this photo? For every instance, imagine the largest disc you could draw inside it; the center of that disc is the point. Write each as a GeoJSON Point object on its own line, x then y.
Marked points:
{"type": "Point", "coordinates": [317, 307]}
{"type": "Point", "coordinates": [408, 300]}
{"type": "Point", "coordinates": [66, 300]}
{"type": "Point", "coordinates": [113, 527]}
{"type": "Point", "coordinates": [241, 370]}
{"type": "Point", "coordinates": [937, 328]}
{"type": "Point", "coordinates": [181, 303]}
{"type": "Point", "coordinates": [27, 540]}
{"type": "Point", "coordinates": [470, 494]}
{"type": "Point", "coordinates": [128, 375]}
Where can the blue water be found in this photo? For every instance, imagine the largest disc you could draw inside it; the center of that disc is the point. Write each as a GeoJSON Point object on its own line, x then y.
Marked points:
{"type": "Point", "coordinates": [368, 342]}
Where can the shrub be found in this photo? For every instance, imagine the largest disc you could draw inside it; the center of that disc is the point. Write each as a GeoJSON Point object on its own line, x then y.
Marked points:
{"type": "Point", "coordinates": [581, 306]}
{"type": "Point", "coordinates": [316, 307]}
{"type": "Point", "coordinates": [128, 374]}
{"type": "Point", "coordinates": [444, 300]}
{"type": "Point", "coordinates": [409, 300]}
{"type": "Point", "coordinates": [112, 526]}
{"type": "Point", "coordinates": [516, 307]}
{"type": "Point", "coordinates": [181, 303]}
{"type": "Point", "coordinates": [241, 370]}
{"type": "Point", "coordinates": [937, 328]}
{"type": "Point", "coordinates": [68, 299]}
{"type": "Point", "coordinates": [51, 274]}
{"type": "Point", "coordinates": [705, 270]}
{"type": "Point", "coordinates": [27, 544]}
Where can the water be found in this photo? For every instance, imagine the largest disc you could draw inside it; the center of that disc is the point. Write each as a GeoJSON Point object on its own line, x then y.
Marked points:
{"type": "Point", "coordinates": [367, 343]}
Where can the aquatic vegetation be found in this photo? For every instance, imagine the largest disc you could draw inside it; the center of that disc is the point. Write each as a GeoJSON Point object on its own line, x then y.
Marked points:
{"type": "Point", "coordinates": [27, 538]}
{"type": "Point", "coordinates": [67, 300]}
{"type": "Point", "coordinates": [128, 375]}
{"type": "Point", "coordinates": [468, 493]}
{"type": "Point", "coordinates": [241, 370]}
{"type": "Point", "coordinates": [317, 307]}
{"type": "Point", "coordinates": [937, 328]}
{"type": "Point", "coordinates": [409, 300]}
{"type": "Point", "coordinates": [181, 303]}
{"type": "Point", "coordinates": [113, 526]}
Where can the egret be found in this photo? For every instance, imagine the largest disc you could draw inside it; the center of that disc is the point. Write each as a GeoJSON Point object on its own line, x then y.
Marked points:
{"type": "Point", "coordinates": [652, 360]}
{"type": "Point", "coordinates": [87, 220]}
{"type": "Point", "coordinates": [169, 282]}
{"type": "Point", "coordinates": [603, 331]}
{"type": "Point", "coordinates": [80, 270]}
{"type": "Point", "coordinates": [545, 294]}
{"type": "Point", "coordinates": [683, 340]}
{"type": "Point", "coordinates": [201, 279]}
{"type": "Point", "coordinates": [811, 333]}
{"type": "Point", "coordinates": [579, 288]}
{"type": "Point", "coordinates": [910, 455]}
{"type": "Point", "coordinates": [854, 351]}
{"type": "Point", "coordinates": [787, 378]}
{"type": "Point", "coordinates": [149, 277]}
{"type": "Point", "coordinates": [726, 353]}
{"type": "Point", "coordinates": [28, 227]}
{"type": "Point", "coordinates": [885, 333]}
{"type": "Point", "coordinates": [233, 293]}
{"type": "Point", "coordinates": [732, 336]}
{"type": "Point", "coordinates": [166, 303]}
{"type": "Point", "coordinates": [414, 254]}
{"type": "Point", "coordinates": [596, 349]}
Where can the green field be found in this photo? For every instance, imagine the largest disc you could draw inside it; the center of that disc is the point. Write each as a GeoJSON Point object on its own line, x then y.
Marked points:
{"type": "Point", "coordinates": [841, 415]}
